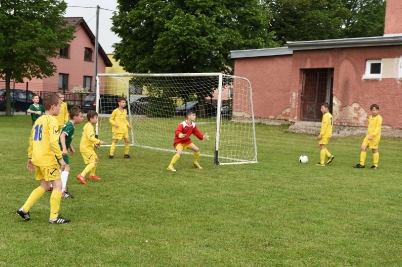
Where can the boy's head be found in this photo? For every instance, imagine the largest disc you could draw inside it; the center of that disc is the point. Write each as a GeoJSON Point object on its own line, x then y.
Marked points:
{"type": "Point", "coordinates": [324, 107]}
{"type": "Point", "coordinates": [76, 115]}
{"type": "Point", "coordinates": [374, 109]}
{"type": "Point", "coordinates": [61, 96]}
{"type": "Point", "coordinates": [51, 103]}
{"type": "Point", "coordinates": [122, 102]}
{"type": "Point", "coordinates": [92, 116]}
{"type": "Point", "coordinates": [35, 98]}
{"type": "Point", "coordinates": [191, 115]}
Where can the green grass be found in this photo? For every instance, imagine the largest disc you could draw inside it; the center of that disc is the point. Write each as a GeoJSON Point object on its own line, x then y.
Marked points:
{"type": "Point", "coordinates": [274, 213]}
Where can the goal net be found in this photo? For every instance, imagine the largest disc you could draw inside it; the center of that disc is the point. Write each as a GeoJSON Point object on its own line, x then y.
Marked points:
{"type": "Point", "coordinates": [157, 104]}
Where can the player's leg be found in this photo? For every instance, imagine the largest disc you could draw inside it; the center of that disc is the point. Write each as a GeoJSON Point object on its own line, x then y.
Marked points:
{"type": "Point", "coordinates": [126, 146]}
{"type": "Point", "coordinates": [113, 147]}
{"type": "Point", "coordinates": [35, 195]}
{"type": "Point", "coordinates": [328, 154]}
{"type": "Point", "coordinates": [88, 159]}
{"type": "Point", "coordinates": [363, 154]}
{"type": "Point", "coordinates": [55, 198]}
{"type": "Point", "coordinates": [64, 178]}
{"type": "Point", "coordinates": [92, 174]}
{"type": "Point", "coordinates": [321, 146]}
{"type": "Point", "coordinates": [175, 158]}
{"type": "Point", "coordinates": [196, 155]}
{"type": "Point", "coordinates": [376, 155]}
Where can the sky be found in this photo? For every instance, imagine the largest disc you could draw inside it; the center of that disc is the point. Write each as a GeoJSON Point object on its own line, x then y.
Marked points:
{"type": "Point", "coordinates": [87, 10]}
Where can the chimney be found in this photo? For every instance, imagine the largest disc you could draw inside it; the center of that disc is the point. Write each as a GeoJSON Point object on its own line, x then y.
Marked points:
{"type": "Point", "coordinates": [393, 18]}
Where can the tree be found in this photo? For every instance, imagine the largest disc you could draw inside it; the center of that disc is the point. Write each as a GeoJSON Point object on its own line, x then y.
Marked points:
{"type": "Point", "coordinates": [303, 20]}
{"type": "Point", "coordinates": [31, 32]}
{"type": "Point", "coordinates": [187, 36]}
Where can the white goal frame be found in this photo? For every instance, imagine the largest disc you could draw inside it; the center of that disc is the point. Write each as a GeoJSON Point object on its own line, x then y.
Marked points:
{"type": "Point", "coordinates": [217, 141]}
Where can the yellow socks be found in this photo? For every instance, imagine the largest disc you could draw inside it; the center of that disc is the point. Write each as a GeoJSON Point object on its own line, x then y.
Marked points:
{"type": "Point", "coordinates": [322, 156]}
{"type": "Point", "coordinates": [36, 194]}
{"type": "Point", "coordinates": [55, 199]}
{"type": "Point", "coordinates": [196, 156]}
{"type": "Point", "coordinates": [89, 167]}
{"type": "Point", "coordinates": [126, 148]}
{"type": "Point", "coordinates": [93, 170]}
{"type": "Point", "coordinates": [327, 153]}
{"type": "Point", "coordinates": [174, 159]}
{"type": "Point", "coordinates": [363, 155]}
{"type": "Point", "coordinates": [376, 158]}
{"type": "Point", "coordinates": [112, 148]}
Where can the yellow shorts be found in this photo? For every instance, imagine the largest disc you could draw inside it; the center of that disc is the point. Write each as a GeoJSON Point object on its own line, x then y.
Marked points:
{"type": "Point", "coordinates": [373, 144]}
{"type": "Point", "coordinates": [120, 135]}
{"type": "Point", "coordinates": [324, 140]}
{"type": "Point", "coordinates": [48, 173]}
{"type": "Point", "coordinates": [89, 156]}
{"type": "Point", "coordinates": [184, 147]}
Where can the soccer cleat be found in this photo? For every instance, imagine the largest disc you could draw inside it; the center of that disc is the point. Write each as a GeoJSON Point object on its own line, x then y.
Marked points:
{"type": "Point", "coordinates": [358, 166]}
{"type": "Point", "coordinates": [59, 220]}
{"type": "Point", "coordinates": [373, 167]}
{"type": "Point", "coordinates": [330, 159]}
{"type": "Point", "coordinates": [110, 157]}
{"type": "Point", "coordinates": [23, 215]}
{"type": "Point", "coordinates": [171, 168]}
{"type": "Point", "coordinates": [81, 178]}
{"type": "Point", "coordinates": [320, 165]}
{"type": "Point", "coordinates": [197, 165]}
{"type": "Point", "coordinates": [127, 156]}
{"type": "Point", "coordinates": [94, 177]}
{"type": "Point", "coordinates": [66, 194]}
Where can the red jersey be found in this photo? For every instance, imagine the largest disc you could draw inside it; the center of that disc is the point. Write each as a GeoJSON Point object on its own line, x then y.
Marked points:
{"type": "Point", "coordinates": [186, 129]}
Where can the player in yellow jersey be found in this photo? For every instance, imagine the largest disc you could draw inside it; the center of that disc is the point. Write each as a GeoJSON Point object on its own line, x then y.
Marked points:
{"type": "Point", "coordinates": [45, 158]}
{"type": "Point", "coordinates": [87, 144]}
{"type": "Point", "coordinates": [120, 126]}
{"type": "Point", "coordinates": [62, 117]}
{"type": "Point", "coordinates": [372, 138]}
{"type": "Point", "coordinates": [325, 135]}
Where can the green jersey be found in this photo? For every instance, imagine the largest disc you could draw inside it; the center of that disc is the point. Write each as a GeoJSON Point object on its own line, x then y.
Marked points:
{"type": "Point", "coordinates": [34, 116]}
{"type": "Point", "coordinates": [68, 130]}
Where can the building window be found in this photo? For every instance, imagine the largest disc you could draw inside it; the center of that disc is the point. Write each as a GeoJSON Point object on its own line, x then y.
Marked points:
{"type": "Point", "coordinates": [88, 54]}
{"type": "Point", "coordinates": [64, 52]}
{"type": "Point", "coordinates": [87, 82]}
{"type": "Point", "coordinates": [373, 69]}
{"type": "Point", "coordinates": [63, 81]}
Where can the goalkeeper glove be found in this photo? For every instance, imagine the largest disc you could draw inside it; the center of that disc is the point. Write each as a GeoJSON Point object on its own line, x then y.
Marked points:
{"type": "Point", "coordinates": [181, 135]}
{"type": "Point", "coordinates": [206, 136]}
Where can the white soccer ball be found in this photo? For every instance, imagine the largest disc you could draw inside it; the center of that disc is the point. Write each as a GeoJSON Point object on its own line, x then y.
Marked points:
{"type": "Point", "coordinates": [303, 159]}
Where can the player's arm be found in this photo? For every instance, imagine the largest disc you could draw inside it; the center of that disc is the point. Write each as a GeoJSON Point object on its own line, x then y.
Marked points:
{"type": "Point", "coordinates": [178, 133]}
{"type": "Point", "coordinates": [112, 119]}
{"type": "Point", "coordinates": [324, 125]}
{"type": "Point", "coordinates": [65, 113]}
{"type": "Point", "coordinates": [378, 126]}
{"type": "Point", "coordinates": [63, 143]}
{"type": "Point", "coordinates": [91, 137]}
{"type": "Point", "coordinates": [72, 149]}
{"type": "Point", "coordinates": [197, 133]}
{"type": "Point", "coordinates": [128, 124]}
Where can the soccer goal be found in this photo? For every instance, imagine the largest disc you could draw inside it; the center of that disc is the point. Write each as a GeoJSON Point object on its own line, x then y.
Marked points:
{"type": "Point", "coordinates": [157, 104]}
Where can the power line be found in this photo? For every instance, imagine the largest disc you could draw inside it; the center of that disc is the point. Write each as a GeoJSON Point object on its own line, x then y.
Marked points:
{"type": "Point", "coordinates": [94, 7]}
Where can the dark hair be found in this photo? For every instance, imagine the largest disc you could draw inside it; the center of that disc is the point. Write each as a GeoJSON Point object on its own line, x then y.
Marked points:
{"type": "Point", "coordinates": [190, 111]}
{"type": "Point", "coordinates": [374, 106]}
{"type": "Point", "coordinates": [74, 111]}
{"type": "Point", "coordinates": [33, 95]}
{"type": "Point", "coordinates": [325, 104]}
{"type": "Point", "coordinates": [121, 99]}
{"type": "Point", "coordinates": [91, 114]}
{"type": "Point", "coordinates": [50, 100]}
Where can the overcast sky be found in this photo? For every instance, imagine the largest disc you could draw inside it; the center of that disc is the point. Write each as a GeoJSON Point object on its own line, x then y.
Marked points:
{"type": "Point", "coordinates": [87, 10]}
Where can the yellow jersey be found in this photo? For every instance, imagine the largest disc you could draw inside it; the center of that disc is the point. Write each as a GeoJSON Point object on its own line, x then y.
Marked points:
{"type": "Point", "coordinates": [62, 118]}
{"type": "Point", "coordinates": [326, 125]}
{"type": "Point", "coordinates": [44, 142]}
{"type": "Point", "coordinates": [119, 117]}
{"type": "Point", "coordinates": [374, 126]}
{"type": "Point", "coordinates": [88, 139]}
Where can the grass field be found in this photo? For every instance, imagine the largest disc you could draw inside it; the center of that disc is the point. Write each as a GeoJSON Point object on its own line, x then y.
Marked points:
{"type": "Point", "coordinates": [274, 213]}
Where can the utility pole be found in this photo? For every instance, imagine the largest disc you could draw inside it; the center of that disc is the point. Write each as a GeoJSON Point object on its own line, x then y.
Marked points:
{"type": "Point", "coordinates": [96, 47]}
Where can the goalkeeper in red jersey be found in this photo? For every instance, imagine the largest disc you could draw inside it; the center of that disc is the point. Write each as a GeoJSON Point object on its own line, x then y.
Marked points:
{"type": "Point", "coordinates": [182, 140]}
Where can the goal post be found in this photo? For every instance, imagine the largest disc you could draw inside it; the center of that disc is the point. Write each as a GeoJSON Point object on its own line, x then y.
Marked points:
{"type": "Point", "coordinates": [157, 104]}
